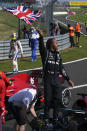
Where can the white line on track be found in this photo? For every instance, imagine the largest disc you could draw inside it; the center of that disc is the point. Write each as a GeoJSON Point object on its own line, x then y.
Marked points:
{"type": "Point", "coordinates": [76, 61]}
{"type": "Point", "coordinates": [63, 63]}
{"type": "Point", "coordinates": [79, 86]}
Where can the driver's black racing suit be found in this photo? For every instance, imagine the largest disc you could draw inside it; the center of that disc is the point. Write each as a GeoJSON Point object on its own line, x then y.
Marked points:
{"type": "Point", "coordinates": [52, 66]}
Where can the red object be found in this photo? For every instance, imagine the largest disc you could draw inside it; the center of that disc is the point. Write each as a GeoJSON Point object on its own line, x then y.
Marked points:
{"type": "Point", "coordinates": [42, 100]}
{"type": "Point", "coordinates": [72, 13]}
{"type": "Point", "coordinates": [3, 119]}
{"type": "Point", "coordinates": [85, 100]}
{"type": "Point", "coordinates": [4, 81]}
{"type": "Point", "coordinates": [21, 81]}
{"type": "Point", "coordinates": [4, 111]}
{"type": "Point", "coordinates": [2, 100]}
{"type": "Point", "coordinates": [25, 13]}
{"type": "Point", "coordinates": [2, 92]}
{"type": "Point", "coordinates": [61, 78]}
{"type": "Point", "coordinates": [5, 78]}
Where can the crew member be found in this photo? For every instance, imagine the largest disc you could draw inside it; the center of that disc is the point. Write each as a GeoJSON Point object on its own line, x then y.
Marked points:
{"type": "Point", "coordinates": [77, 32]}
{"type": "Point", "coordinates": [33, 41]}
{"type": "Point", "coordinates": [4, 82]}
{"type": "Point", "coordinates": [72, 38]}
{"type": "Point", "coordinates": [70, 27]}
{"type": "Point", "coordinates": [15, 48]}
{"type": "Point", "coordinates": [23, 101]}
{"type": "Point", "coordinates": [52, 67]}
{"type": "Point", "coordinates": [71, 34]}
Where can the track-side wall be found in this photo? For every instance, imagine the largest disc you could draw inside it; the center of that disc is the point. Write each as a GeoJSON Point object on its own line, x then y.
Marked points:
{"type": "Point", "coordinates": [63, 43]}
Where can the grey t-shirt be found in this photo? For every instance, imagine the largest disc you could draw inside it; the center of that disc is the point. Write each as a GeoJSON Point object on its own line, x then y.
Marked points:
{"type": "Point", "coordinates": [23, 97]}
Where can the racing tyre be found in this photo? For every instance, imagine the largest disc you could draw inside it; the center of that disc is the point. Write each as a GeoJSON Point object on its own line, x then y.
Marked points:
{"type": "Point", "coordinates": [66, 97]}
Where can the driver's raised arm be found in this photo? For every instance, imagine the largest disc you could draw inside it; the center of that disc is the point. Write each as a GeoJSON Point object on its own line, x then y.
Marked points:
{"type": "Point", "coordinates": [42, 48]}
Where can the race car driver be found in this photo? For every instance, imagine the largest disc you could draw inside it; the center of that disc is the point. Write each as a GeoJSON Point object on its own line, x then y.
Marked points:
{"type": "Point", "coordinates": [52, 67]}
{"type": "Point", "coordinates": [15, 48]}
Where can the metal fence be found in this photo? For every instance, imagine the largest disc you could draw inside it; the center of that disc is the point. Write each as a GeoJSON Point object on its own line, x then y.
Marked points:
{"type": "Point", "coordinates": [63, 43]}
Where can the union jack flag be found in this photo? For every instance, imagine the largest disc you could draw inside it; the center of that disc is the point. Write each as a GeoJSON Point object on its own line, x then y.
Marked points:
{"type": "Point", "coordinates": [24, 13]}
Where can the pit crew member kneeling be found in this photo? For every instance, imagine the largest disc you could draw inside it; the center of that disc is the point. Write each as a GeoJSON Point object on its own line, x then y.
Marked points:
{"type": "Point", "coordinates": [20, 103]}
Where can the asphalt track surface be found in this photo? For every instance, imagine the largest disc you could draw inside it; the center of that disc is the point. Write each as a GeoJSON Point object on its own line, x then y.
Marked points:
{"type": "Point", "coordinates": [78, 74]}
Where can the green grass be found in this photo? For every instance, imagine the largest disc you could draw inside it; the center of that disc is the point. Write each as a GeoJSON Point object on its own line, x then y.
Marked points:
{"type": "Point", "coordinates": [79, 18]}
{"type": "Point", "coordinates": [76, 53]}
{"type": "Point", "coordinates": [9, 24]}
{"type": "Point", "coordinates": [23, 64]}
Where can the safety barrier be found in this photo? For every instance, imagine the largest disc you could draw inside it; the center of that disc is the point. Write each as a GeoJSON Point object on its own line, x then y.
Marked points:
{"type": "Point", "coordinates": [63, 43]}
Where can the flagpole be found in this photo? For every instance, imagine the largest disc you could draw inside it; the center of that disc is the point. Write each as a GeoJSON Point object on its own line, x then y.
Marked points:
{"type": "Point", "coordinates": [19, 28]}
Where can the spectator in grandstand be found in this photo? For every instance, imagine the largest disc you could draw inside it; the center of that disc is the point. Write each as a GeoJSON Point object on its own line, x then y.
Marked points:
{"type": "Point", "coordinates": [71, 35]}
{"type": "Point", "coordinates": [77, 32]}
{"type": "Point", "coordinates": [33, 41]}
{"type": "Point", "coordinates": [15, 48]}
{"type": "Point", "coordinates": [25, 33]}
{"type": "Point", "coordinates": [52, 67]}
{"type": "Point", "coordinates": [22, 102]}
